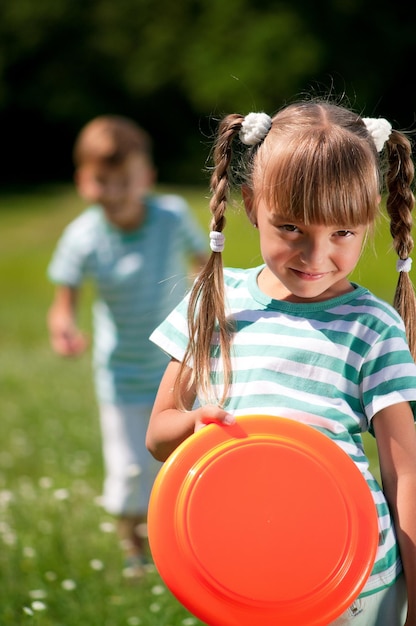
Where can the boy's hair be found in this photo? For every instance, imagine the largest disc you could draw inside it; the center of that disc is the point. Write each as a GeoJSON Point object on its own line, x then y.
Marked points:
{"type": "Point", "coordinates": [318, 164]}
{"type": "Point", "coordinates": [110, 139]}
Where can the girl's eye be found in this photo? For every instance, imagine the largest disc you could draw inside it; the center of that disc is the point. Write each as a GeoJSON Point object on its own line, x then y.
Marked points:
{"type": "Point", "coordinates": [343, 233]}
{"type": "Point", "coordinates": [290, 228]}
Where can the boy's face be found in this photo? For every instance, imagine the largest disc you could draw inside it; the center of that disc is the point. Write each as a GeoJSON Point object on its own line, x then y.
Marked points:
{"type": "Point", "coordinates": [120, 189]}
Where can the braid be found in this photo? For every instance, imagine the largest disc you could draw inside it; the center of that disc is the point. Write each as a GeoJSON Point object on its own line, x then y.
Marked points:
{"type": "Point", "coordinates": [206, 310]}
{"type": "Point", "coordinates": [400, 203]}
{"type": "Point", "coordinates": [220, 179]}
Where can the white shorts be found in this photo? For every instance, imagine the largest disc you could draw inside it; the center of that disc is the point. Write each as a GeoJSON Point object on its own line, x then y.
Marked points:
{"type": "Point", "coordinates": [385, 608]}
{"type": "Point", "coordinates": [130, 469]}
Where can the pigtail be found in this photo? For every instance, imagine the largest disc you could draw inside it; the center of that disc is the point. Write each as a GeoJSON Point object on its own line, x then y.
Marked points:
{"type": "Point", "coordinates": [206, 310]}
{"type": "Point", "coordinates": [400, 203]}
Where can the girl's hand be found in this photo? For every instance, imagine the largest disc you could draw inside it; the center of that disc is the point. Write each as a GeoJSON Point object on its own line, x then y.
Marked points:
{"type": "Point", "coordinates": [211, 414]}
{"type": "Point", "coordinates": [170, 425]}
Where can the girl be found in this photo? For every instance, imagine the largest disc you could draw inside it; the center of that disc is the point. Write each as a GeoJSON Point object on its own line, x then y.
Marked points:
{"type": "Point", "coordinates": [294, 337]}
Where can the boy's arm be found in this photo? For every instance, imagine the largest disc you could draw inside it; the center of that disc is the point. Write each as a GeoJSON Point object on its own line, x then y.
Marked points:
{"type": "Point", "coordinates": [65, 337]}
{"type": "Point", "coordinates": [198, 261]}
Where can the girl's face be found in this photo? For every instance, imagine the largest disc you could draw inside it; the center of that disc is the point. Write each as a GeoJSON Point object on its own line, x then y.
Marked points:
{"type": "Point", "coordinates": [305, 263]}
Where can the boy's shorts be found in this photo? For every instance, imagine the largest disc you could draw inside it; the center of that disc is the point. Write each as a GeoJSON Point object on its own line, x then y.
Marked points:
{"type": "Point", "coordinates": [130, 469]}
{"type": "Point", "coordinates": [385, 608]}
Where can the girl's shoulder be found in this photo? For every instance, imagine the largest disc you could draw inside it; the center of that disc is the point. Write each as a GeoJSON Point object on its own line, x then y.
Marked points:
{"type": "Point", "coordinates": [371, 304]}
{"type": "Point", "coordinates": [234, 276]}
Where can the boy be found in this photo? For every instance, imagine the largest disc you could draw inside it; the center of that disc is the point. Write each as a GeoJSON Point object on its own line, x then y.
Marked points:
{"type": "Point", "coordinates": [136, 247]}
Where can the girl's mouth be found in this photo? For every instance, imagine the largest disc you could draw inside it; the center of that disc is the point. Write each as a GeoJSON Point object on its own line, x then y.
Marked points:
{"type": "Point", "coordinates": [308, 275]}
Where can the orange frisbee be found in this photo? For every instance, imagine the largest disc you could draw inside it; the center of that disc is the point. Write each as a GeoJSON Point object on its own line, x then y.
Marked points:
{"type": "Point", "coordinates": [266, 521]}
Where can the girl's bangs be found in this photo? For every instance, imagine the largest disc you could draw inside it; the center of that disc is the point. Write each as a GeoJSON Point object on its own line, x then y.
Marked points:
{"type": "Point", "coordinates": [319, 183]}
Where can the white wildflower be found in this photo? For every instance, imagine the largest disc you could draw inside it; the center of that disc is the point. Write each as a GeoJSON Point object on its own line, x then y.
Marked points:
{"type": "Point", "coordinates": [158, 590]}
{"type": "Point", "coordinates": [27, 610]}
{"type": "Point", "coordinates": [29, 552]}
{"type": "Point", "coordinates": [45, 482]}
{"type": "Point", "coordinates": [68, 584]}
{"type": "Point", "coordinates": [107, 527]}
{"type": "Point", "coordinates": [61, 494]}
{"type": "Point", "coordinates": [37, 594]}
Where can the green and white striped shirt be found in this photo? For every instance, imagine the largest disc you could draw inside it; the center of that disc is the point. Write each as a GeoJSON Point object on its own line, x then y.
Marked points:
{"type": "Point", "coordinates": [139, 277]}
{"type": "Point", "coordinates": [331, 364]}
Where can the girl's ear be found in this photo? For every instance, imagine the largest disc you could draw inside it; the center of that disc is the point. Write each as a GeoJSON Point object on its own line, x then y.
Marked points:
{"type": "Point", "coordinates": [249, 204]}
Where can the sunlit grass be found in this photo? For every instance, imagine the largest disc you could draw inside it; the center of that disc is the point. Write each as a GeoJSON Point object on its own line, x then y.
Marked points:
{"type": "Point", "coordinates": [60, 564]}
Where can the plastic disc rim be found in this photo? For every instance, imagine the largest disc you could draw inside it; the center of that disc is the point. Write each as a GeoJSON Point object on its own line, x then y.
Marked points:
{"type": "Point", "coordinates": [263, 520]}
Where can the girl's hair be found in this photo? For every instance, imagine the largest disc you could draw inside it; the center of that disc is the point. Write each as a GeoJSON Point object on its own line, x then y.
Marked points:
{"type": "Point", "coordinates": [110, 139]}
{"type": "Point", "coordinates": [319, 165]}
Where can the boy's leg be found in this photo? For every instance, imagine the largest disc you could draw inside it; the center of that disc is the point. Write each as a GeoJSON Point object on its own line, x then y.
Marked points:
{"type": "Point", "coordinates": [132, 539]}
{"type": "Point", "coordinates": [130, 471]}
{"type": "Point", "coordinates": [133, 542]}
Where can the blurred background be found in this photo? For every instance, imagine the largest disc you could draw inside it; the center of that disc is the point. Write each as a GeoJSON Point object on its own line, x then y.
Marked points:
{"type": "Point", "coordinates": [177, 66]}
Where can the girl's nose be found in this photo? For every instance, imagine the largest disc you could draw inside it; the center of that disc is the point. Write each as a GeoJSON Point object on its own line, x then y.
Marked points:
{"type": "Point", "coordinates": [313, 252]}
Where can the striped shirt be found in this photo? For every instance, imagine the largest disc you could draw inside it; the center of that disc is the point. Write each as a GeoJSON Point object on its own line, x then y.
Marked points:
{"type": "Point", "coordinates": [139, 277]}
{"type": "Point", "coordinates": [331, 364]}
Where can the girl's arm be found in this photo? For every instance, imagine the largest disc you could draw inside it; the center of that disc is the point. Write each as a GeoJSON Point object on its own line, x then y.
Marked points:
{"type": "Point", "coordinates": [169, 426]}
{"type": "Point", "coordinates": [66, 339]}
{"type": "Point", "coordinates": [396, 441]}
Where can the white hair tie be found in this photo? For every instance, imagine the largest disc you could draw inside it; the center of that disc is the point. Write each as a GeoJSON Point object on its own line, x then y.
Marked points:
{"type": "Point", "coordinates": [404, 265]}
{"type": "Point", "coordinates": [217, 241]}
{"type": "Point", "coordinates": [379, 129]}
{"type": "Point", "coordinates": [254, 128]}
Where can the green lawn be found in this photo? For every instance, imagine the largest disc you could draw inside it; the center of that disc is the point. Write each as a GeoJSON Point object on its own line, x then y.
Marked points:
{"type": "Point", "coordinates": [59, 559]}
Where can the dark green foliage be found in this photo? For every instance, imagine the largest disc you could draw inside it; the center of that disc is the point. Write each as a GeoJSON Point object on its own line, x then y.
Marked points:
{"type": "Point", "coordinates": [176, 66]}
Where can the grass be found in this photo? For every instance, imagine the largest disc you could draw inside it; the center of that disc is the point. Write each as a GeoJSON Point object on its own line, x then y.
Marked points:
{"type": "Point", "coordinates": [59, 559]}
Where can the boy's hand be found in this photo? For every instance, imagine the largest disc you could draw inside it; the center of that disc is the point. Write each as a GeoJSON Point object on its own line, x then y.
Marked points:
{"type": "Point", "coordinates": [65, 337]}
{"type": "Point", "coordinates": [67, 340]}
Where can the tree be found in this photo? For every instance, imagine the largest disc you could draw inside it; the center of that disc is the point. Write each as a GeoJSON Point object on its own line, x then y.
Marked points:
{"type": "Point", "coordinates": [175, 66]}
